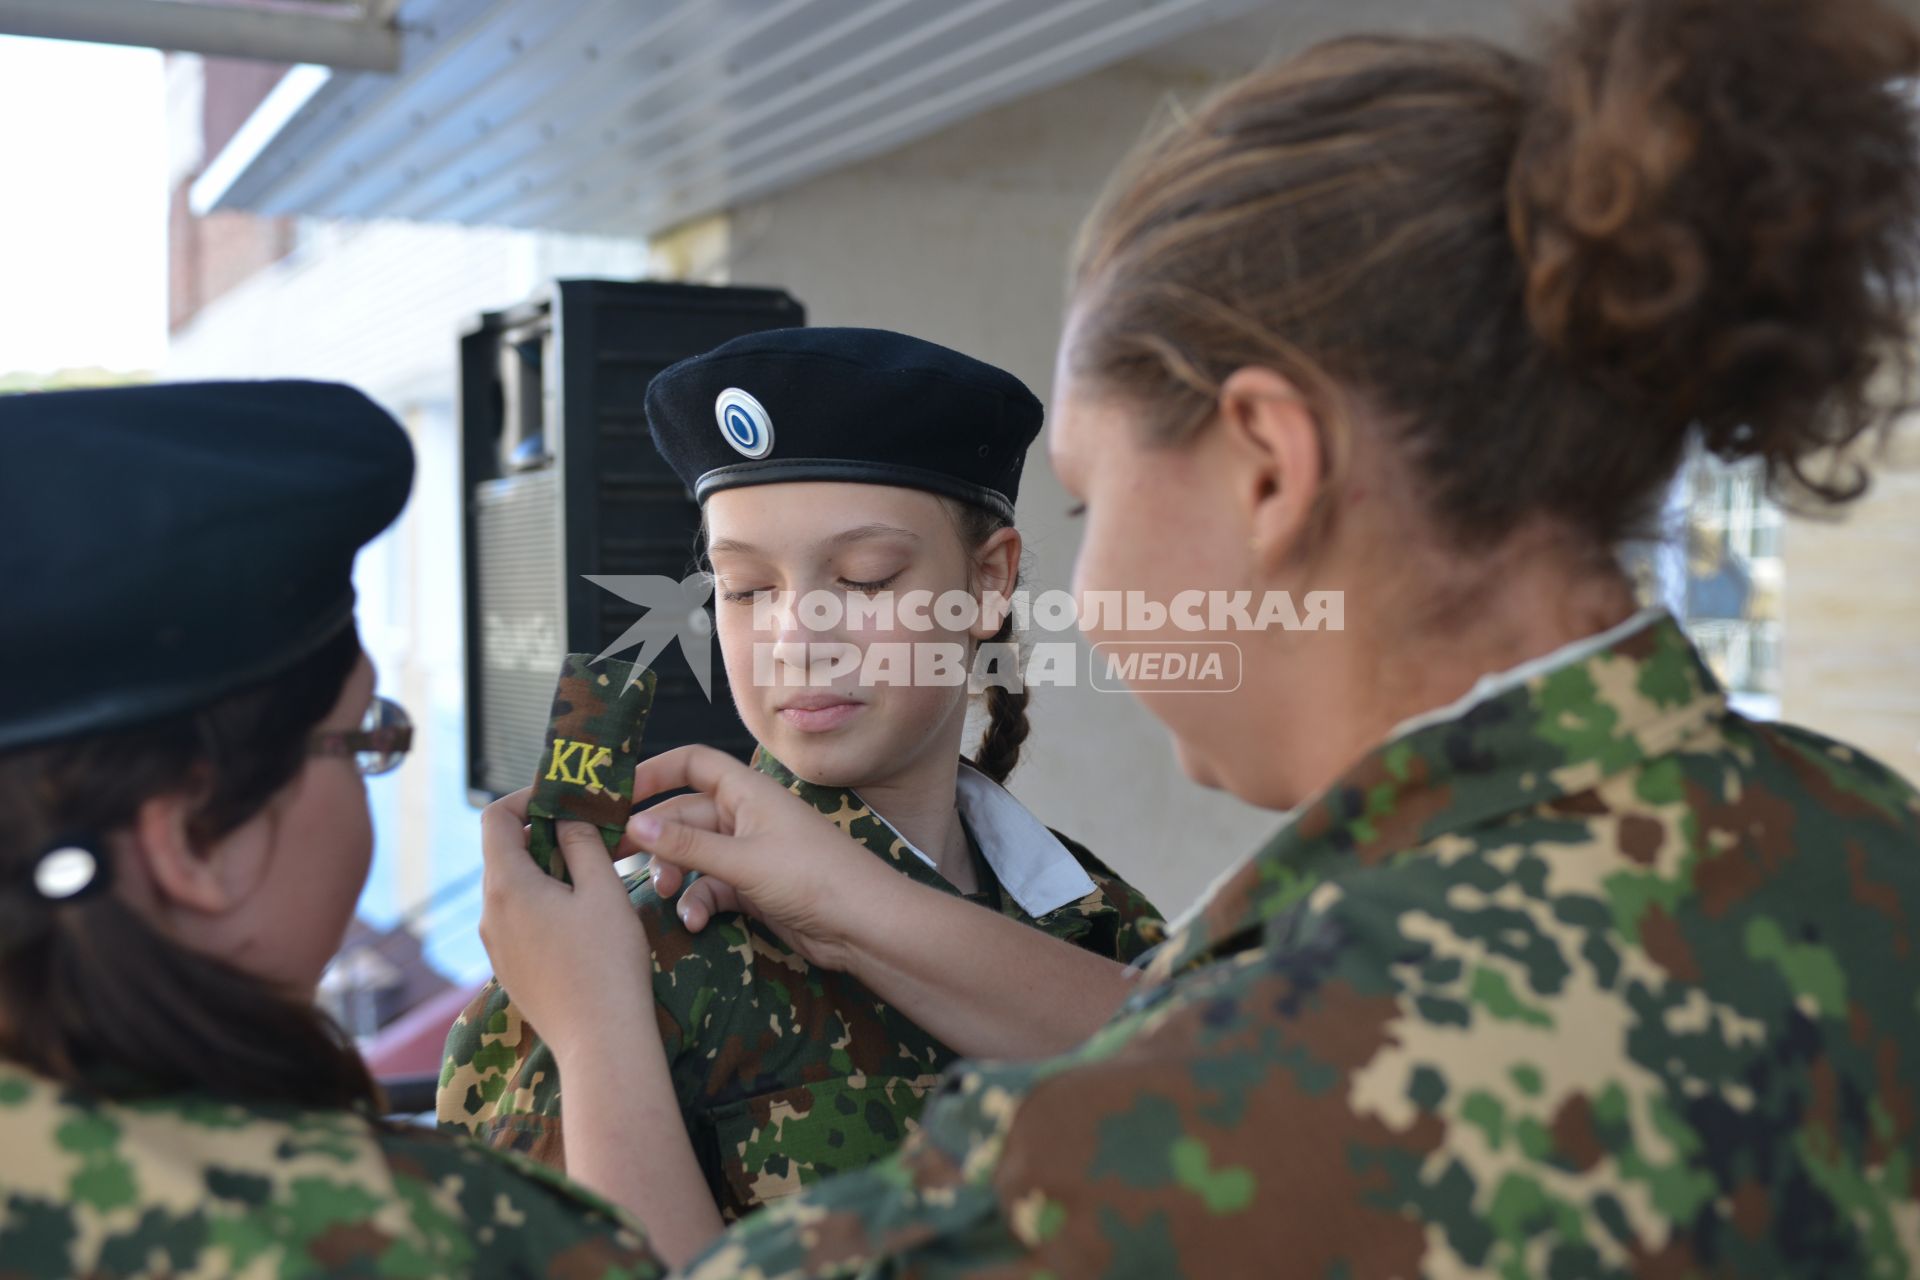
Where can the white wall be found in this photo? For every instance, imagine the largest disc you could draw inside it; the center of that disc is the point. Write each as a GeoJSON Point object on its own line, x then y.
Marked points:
{"type": "Point", "coordinates": [1851, 661]}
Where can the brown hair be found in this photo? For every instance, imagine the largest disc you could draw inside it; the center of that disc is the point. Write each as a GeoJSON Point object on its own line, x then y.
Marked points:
{"type": "Point", "coordinates": [90, 992]}
{"type": "Point", "coordinates": [1542, 274]}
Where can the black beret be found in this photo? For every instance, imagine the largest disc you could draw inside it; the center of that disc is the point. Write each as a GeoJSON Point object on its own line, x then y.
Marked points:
{"type": "Point", "coordinates": [860, 405]}
{"type": "Point", "coordinates": [165, 545]}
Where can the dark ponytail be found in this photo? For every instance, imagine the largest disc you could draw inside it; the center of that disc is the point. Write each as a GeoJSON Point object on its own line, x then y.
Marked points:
{"type": "Point", "coordinates": [1007, 727]}
{"type": "Point", "coordinates": [93, 994]}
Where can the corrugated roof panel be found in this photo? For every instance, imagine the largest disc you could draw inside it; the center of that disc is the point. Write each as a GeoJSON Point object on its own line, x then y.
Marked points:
{"type": "Point", "coordinates": [652, 75]}
{"type": "Point", "coordinates": [635, 115]}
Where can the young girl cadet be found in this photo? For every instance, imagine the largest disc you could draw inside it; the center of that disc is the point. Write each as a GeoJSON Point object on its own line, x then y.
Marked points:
{"type": "Point", "coordinates": [868, 466]}
{"type": "Point", "coordinates": [185, 721]}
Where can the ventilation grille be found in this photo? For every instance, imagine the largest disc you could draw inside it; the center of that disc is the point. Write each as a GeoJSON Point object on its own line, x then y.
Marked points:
{"type": "Point", "coordinates": [522, 621]}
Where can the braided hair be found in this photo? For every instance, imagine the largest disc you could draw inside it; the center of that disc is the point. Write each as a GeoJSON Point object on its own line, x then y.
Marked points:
{"type": "Point", "coordinates": [1007, 727]}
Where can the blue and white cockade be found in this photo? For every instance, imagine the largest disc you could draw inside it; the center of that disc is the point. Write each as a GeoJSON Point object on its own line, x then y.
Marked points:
{"type": "Point", "coordinates": [744, 422]}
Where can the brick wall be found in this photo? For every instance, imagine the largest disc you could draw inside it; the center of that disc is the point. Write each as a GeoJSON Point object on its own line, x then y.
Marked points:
{"type": "Point", "coordinates": [209, 256]}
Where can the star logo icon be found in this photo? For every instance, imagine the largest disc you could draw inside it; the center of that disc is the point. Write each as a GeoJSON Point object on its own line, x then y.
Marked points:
{"type": "Point", "coordinates": [674, 611]}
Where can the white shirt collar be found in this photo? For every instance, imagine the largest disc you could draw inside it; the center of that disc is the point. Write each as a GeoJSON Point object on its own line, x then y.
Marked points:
{"type": "Point", "coordinates": [1032, 866]}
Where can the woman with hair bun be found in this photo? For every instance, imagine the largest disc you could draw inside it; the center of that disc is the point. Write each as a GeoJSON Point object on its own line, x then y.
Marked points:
{"type": "Point", "coordinates": [1558, 965]}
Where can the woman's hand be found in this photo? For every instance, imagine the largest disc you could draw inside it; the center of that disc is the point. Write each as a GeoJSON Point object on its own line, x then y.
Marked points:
{"type": "Point", "coordinates": [701, 901]}
{"type": "Point", "coordinates": [569, 954]}
{"type": "Point", "coordinates": [768, 853]}
{"type": "Point", "coordinates": [985, 984]}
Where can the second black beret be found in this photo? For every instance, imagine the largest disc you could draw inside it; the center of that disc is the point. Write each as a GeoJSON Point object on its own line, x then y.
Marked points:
{"type": "Point", "coordinates": [861, 405]}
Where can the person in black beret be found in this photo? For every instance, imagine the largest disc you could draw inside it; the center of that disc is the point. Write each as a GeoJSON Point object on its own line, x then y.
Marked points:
{"type": "Point", "coordinates": [856, 467]}
{"type": "Point", "coordinates": [186, 719]}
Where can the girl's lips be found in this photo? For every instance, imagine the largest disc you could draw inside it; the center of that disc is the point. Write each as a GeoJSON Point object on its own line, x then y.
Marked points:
{"type": "Point", "coordinates": [820, 719]}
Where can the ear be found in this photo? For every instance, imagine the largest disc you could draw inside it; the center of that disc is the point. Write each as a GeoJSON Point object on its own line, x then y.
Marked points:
{"type": "Point", "coordinates": [182, 877]}
{"type": "Point", "coordinates": [1277, 453]}
{"type": "Point", "coordinates": [996, 567]}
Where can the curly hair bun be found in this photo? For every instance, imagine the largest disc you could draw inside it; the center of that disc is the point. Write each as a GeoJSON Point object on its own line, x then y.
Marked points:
{"type": "Point", "coordinates": [1717, 204]}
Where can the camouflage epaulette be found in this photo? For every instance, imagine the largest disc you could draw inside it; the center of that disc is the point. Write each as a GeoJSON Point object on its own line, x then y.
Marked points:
{"type": "Point", "coordinates": [593, 743]}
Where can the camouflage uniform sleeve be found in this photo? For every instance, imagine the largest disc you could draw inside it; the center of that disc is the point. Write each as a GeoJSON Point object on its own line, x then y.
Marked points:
{"type": "Point", "coordinates": [1138, 927]}
{"type": "Point", "coordinates": [498, 1081]}
{"type": "Point", "coordinates": [510, 1216]}
{"type": "Point", "coordinates": [1149, 1151]}
{"type": "Point", "coordinates": [191, 1185]}
{"type": "Point", "coordinates": [498, 1078]}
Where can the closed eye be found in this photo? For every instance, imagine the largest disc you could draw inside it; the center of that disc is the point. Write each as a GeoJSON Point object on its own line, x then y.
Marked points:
{"type": "Point", "coordinates": [869, 588]}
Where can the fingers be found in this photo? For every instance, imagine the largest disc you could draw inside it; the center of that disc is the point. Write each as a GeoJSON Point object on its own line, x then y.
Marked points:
{"type": "Point", "coordinates": [742, 801]}
{"type": "Point", "coordinates": [505, 866]}
{"type": "Point", "coordinates": [687, 847]}
{"type": "Point", "coordinates": [704, 769]}
{"type": "Point", "coordinates": [588, 863]}
{"type": "Point", "coordinates": [696, 907]}
{"type": "Point", "coordinates": [695, 810]}
{"type": "Point", "coordinates": [667, 878]}
{"type": "Point", "coordinates": [706, 899]}
{"type": "Point", "coordinates": [515, 803]}
{"type": "Point", "coordinates": [503, 837]}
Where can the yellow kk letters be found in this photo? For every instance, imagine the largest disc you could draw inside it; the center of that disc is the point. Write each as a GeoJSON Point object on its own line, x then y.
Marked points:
{"type": "Point", "coordinates": [577, 762]}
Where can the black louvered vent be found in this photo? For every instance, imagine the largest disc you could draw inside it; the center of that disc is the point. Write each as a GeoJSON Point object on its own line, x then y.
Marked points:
{"type": "Point", "coordinates": [560, 480]}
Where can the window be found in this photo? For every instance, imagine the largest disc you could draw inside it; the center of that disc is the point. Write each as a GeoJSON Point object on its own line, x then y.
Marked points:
{"type": "Point", "coordinates": [1731, 584]}
{"type": "Point", "coordinates": [1718, 569]}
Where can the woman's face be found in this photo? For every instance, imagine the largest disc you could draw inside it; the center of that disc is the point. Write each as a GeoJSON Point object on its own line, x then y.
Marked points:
{"type": "Point", "coordinates": [837, 697]}
{"type": "Point", "coordinates": [294, 871]}
{"type": "Point", "coordinates": [1161, 521]}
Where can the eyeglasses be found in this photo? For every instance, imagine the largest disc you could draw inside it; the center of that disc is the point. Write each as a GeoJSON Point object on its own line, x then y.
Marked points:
{"type": "Point", "coordinates": [377, 746]}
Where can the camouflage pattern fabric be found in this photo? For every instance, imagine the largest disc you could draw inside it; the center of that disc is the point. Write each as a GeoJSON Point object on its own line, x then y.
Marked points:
{"type": "Point", "coordinates": [198, 1187]}
{"type": "Point", "coordinates": [593, 743]}
{"type": "Point", "coordinates": [1591, 977]}
{"type": "Point", "coordinates": [785, 1073]}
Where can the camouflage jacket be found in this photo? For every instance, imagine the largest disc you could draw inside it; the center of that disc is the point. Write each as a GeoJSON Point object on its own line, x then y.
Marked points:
{"type": "Point", "coordinates": [200, 1187]}
{"type": "Point", "coordinates": [1586, 976]}
{"type": "Point", "coordinates": [785, 1072]}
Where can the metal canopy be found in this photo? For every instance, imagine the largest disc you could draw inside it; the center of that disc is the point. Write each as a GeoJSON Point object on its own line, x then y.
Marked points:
{"type": "Point", "coordinates": [334, 33]}
{"type": "Point", "coordinates": [631, 116]}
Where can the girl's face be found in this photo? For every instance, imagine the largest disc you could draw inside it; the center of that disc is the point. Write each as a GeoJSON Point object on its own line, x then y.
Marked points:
{"type": "Point", "coordinates": [323, 841]}
{"type": "Point", "coordinates": [840, 698]}
{"type": "Point", "coordinates": [273, 897]}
